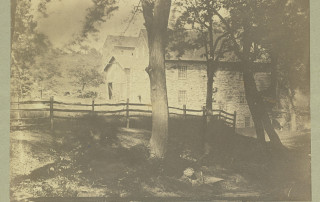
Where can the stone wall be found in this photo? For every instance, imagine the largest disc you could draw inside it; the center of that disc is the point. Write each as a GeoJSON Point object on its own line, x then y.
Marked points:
{"type": "Point", "coordinates": [191, 86]}
{"type": "Point", "coordinates": [228, 87]}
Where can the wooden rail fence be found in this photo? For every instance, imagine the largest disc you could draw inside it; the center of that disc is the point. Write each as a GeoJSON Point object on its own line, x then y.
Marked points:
{"type": "Point", "coordinates": [228, 118]}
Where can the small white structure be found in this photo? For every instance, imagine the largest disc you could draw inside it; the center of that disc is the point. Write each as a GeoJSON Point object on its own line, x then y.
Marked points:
{"type": "Point", "coordinates": [125, 75]}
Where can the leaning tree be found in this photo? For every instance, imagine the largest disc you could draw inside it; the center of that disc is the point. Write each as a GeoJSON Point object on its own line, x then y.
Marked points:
{"type": "Point", "coordinates": [251, 26]}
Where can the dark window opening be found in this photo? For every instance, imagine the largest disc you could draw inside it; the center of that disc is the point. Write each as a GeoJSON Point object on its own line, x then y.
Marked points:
{"type": "Point", "coordinates": [242, 98]}
{"type": "Point", "coordinates": [182, 72]}
{"type": "Point", "coordinates": [182, 97]}
{"type": "Point", "coordinates": [247, 121]}
{"type": "Point", "coordinates": [110, 90]}
{"type": "Point", "coordinates": [240, 76]}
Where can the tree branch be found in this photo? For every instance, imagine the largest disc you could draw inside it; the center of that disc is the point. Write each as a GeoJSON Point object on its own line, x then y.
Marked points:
{"type": "Point", "coordinates": [147, 10]}
{"type": "Point", "coordinates": [203, 23]}
{"type": "Point", "coordinates": [217, 41]}
{"type": "Point", "coordinates": [229, 30]}
{"type": "Point", "coordinates": [220, 52]}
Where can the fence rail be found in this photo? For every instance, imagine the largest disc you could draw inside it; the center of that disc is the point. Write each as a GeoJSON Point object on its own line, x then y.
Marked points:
{"type": "Point", "coordinates": [228, 118]}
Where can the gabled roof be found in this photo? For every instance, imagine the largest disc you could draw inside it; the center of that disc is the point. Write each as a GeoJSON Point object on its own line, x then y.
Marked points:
{"type": "Point", "coordinates": [110, 63]}
{"type": "Point", "coordinates": [125, 41]}
{"type": "Point", "coordinates": [196, 54]}
{"type": "Point", "coordinates": [222, 65]}
{"type": "Point", "coordinates": [143, 33]}
{"type": "Point", "coordinates": [124, 62]}
{"type": "Point", "coordinates": [191, 38]}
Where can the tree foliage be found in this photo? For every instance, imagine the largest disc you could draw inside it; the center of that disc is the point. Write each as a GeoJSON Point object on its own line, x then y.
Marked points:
{"type": "Point", "coordinates": [260, 26]}
{"type": "Point", "coordinates": [192, 26]}
{"type": "Point", "coordinates": [96, 14]}
{"type": "Point", "coordinates": [27, 43]}
{"type": "Point", "coordinates": [84, 77]}
{"type": "Point", "coordinates": [279, 27]}
{"type": "Point", "coordinates": [196, 28]}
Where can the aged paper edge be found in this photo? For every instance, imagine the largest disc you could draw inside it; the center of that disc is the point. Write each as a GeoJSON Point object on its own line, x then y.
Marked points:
{"type": "Point", "coordinates": [315, 97]}
{"type": "Point", "coordinates": [5, 97]}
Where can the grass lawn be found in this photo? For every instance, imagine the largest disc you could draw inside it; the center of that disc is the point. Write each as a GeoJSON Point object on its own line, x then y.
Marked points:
{"type": "Point", "coordinates": [97, 156]}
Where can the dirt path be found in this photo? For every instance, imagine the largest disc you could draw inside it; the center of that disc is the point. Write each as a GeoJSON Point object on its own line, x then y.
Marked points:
{"type": "Point", "coordinates": [43, 166]}
{"type": "Point", "coordinates": [29, 151]}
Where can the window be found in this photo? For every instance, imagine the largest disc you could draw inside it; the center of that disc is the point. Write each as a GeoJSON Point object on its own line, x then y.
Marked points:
{"type": "Point", "coordinates": [247, 121]}
{"type": "Point", "coordinates": [182, 72]}
{"type": "Point", "coordinates": [122, 91]}
{"type": "Point", "coordinates": [182, 97]}
{"type": "Point", "coordinates": [240, 76]}
{"type": "Point", "coordinates": [229, 96]}
{"type": "Point", "coordinates": [242, 98]}
{"type": "Point", "coordinates": [110, 90]}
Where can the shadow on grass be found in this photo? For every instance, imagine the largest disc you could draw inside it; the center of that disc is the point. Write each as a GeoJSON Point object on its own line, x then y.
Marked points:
{"type": "Point", "coordinates": [90, 149]}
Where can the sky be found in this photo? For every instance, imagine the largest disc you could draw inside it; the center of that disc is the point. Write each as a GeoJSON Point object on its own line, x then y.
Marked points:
{"type": "Point", "coordinates": [65, 20]}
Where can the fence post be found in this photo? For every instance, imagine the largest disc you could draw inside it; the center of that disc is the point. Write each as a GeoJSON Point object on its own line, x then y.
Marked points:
{"type": "Point", "coordinates": [184, 111]}
{"type": "Point", "coordinates": [204, 117]}
{"type": "Point", "coordinates": [127, 114]}
{"type": "Point", "coordinates": [51, 114]}
{"type": "Point", "coordinates": [19, 116]}
{"type": "Point", "coordinates": [92, 106]}
{"type": "Point", "coordinates": [234, 120]}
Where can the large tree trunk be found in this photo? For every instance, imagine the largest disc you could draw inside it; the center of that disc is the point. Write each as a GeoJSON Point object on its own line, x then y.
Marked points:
{"type": "Point", "coordinates": [207, 133]}
{"type": "Point", "coordinates": [159, 100]}
{"type": "Point", "coordinates": [156, 21]}
{"type": "Point", "coordinates": [210, 74]}
{"type": "Point", "coordinates": [250, 93]}
{"type": "Point", "coordinates": [292, 111]}
{"type": "Point", "coordinates": [210, 68]}
{"type": "Point", "coordinates": [274, 75]}
{"type": "Point", "coordinates": [13, 17]}
{"type": "Point", "coordinates": [255, 102]}
{"type": "Point", "coordinates": [251, 90]}
{"type": "Point", "coordinates": [254, 99]}
{"type": "Point", "coordinates": [258, 111]}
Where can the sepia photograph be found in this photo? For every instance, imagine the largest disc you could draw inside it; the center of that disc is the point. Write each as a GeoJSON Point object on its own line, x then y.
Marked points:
{"type": "Point", "coordinates": [160, 100]}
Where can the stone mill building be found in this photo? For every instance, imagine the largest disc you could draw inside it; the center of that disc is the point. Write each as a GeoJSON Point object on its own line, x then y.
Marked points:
{"type": "Point", "coordinates": [125, 61]}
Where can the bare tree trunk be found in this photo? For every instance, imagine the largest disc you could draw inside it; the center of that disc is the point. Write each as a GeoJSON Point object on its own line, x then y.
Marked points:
{"type": "Point", "coordinates": [255, 102]}
{"type": "Point", "coordinates": [251, 90]}
{"type": "Point", "coordinates": [207, 133]}
{"type": "Point", "coordinates": [13, 17]}
{"type": "Point", "coordinates": [258, 111]}
{"type": "Point", "coordinates": [251, 97]}
{"type": "Point", "coordinates": [292, 111]}
{"type": "Point", "coordinates": [274, 75]}
{"type": "Point", "coordinates": [156, 21]}
{"type": "Point", "coordinates": [210, 68]}
{"type": "Point", "coordinates": [159, 100]}
{"type": "Point", "coordinates": [210, 74]}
